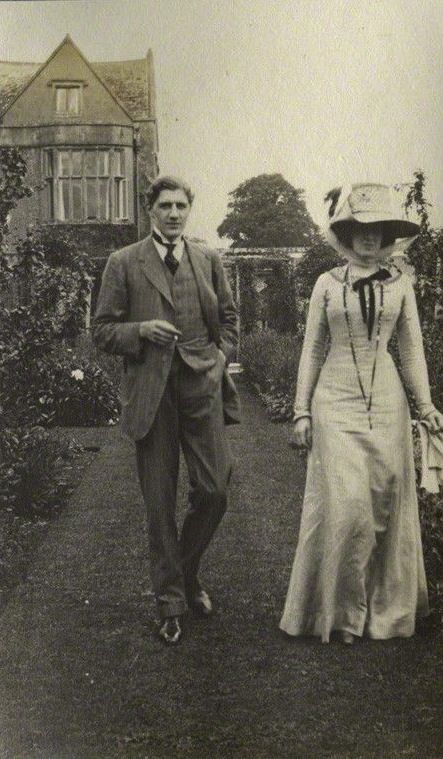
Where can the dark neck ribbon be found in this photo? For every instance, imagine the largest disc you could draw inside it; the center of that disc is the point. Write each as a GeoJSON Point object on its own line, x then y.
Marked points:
{"type": "Point", "coordinates": [359, 286]}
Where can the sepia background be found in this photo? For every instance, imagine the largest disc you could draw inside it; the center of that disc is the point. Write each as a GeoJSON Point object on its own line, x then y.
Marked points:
{"type": "Point", "coordinates": [322, 91]}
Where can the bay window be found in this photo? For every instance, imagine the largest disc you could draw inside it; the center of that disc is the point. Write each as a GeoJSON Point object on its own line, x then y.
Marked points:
{"type": "Point", "coordinates": [87, 184]}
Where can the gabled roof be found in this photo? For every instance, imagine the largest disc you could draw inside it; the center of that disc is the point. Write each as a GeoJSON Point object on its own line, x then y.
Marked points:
{"type": "Point", "coordinates": [128, 81]}
{"type": "Point", "coordinates": [13, 77]}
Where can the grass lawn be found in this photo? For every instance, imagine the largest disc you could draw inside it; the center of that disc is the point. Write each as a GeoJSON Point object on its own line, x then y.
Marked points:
{"type": "Point", "coordinates": [82, 673]}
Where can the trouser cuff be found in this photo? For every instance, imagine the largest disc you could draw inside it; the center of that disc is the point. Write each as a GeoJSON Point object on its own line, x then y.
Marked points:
{"type": "Point", "coordinates": [176, 609]}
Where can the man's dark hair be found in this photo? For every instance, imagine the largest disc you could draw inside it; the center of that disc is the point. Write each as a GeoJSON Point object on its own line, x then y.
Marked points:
{"type": "Point", "coordinates": [167, 183]}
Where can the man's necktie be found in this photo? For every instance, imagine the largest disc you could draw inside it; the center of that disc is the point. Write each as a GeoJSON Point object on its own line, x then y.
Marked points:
{"type": "Point", "coordinates": [359, 286]}
{"type": "Point", "coordinates": [169, 259]}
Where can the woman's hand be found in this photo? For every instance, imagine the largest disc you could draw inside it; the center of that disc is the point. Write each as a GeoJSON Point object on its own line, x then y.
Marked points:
{"type": "Point", "coordinates": [435, 421]}
{"type": "Point", "coordinates": [301, 436]}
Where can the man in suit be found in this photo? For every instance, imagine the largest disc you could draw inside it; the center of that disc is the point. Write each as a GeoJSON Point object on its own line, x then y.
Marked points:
{"type": "Point", "coordinates": [165, 306]}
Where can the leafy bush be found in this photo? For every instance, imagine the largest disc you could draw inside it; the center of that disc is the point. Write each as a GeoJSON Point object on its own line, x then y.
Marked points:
{"type": "Point", "coordinates": [431, 523]}
{"type": "Point", "coordinates": [85, 350]}
{"type": "Point", "coordinates": [433, 344]}
{"type": "Point", "coordinates": [426, 255]}
{"type": "Point", "coordinates": [431, 520]}
{"type": "Point", "coordinates": [80, 393]}
{"type": "Point", "coordinates": [13, 185]}
{"type": "Point", "coordinates": [41, 381]}
{"type": "Point", "coordinates": [270, 361]}
{"type": "Point", "coordinates": [32, 470]}
{"type": "Point", "coordinates": [319, 258]}
{"type": "Point", "coordinates": [58, 389]}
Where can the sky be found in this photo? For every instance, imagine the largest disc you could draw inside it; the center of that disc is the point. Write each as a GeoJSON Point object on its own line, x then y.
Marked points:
{"type": "Point", "coordinates": [324, 92]}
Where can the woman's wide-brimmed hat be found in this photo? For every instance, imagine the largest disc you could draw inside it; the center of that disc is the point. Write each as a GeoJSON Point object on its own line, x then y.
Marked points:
{"type": "Point", "coordinates": [366, 204]}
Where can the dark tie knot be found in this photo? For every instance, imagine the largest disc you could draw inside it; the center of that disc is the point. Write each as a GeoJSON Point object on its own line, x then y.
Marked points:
{"type": "Point", "coordinates": [170, 260]}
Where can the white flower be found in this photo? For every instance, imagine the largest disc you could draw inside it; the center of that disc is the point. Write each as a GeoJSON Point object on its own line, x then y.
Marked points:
{"type": "Point", "coordinates": [78, 374]}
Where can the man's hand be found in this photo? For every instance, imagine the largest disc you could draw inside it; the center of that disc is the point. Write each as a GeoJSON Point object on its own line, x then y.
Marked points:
{"type": "Point", "coordinates": [159, 331]}
{"type": "Point", "coordinates": [302, 433]}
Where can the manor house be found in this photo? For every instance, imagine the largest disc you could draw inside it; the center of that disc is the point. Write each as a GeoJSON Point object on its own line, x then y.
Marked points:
{"type": "Point", "coordinates": [88, 133]}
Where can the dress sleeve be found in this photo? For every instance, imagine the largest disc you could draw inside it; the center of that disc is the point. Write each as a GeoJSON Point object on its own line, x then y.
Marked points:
{"type": "Point", "coordinates": [412, 356]}
{"type": "Point", "coordinates": [313, 351]}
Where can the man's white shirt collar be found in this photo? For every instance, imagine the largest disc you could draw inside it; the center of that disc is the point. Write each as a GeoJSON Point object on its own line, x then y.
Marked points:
{"type": "Point", "coordinates": [178, 250]}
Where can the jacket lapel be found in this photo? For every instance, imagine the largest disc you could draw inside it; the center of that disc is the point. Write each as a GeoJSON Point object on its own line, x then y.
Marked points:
{"type": "Point", "coordinates": [152, 268]}
{"type": "Point", "coordinates": [202, 268]}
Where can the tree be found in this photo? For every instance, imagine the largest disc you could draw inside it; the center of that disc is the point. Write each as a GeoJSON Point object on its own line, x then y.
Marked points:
{"type": "Point", "coordinates": [316, 260]}
{"type": "Point", "coordinates": [267, 212]}
{"type": "Point", "coordinates": [426, 255]}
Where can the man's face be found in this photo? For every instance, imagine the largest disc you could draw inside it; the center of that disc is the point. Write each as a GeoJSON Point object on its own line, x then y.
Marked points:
{"type": "Point", "coordinates": [170, 213]}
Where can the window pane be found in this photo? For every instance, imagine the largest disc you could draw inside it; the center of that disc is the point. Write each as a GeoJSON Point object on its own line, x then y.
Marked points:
{"type": "Point", "coordinates": [117, 199]}
{"type": "Point", "coordinates": [63, 199]}
{"type": "Point", "coordinates": [61, 100]}
{"type": "Point", "coordinates": [73, 100]}
{"type": "Point", "coordinates": [103, 163]}
{"type": "Point", "coordinates": [91, 199]}
{"type": "Point", "coordinates": [91, 163]}
{"type": "Point", "coordinates": [48, 163]}
{"type": "Point", "coordinates": [77, 163]}
{"type": "Point", "coordinates": [121, 198]}
{"type": "Point", "coordinates": [104, 199]}
{"type": "Point", "coordinates": [124, 199]}
{"type": "Point", "coordinates": [50, 197]}
{"type": "Point", "coordinates": [77, 199]}
{"type": "Point", "coordinates": [64, 163]}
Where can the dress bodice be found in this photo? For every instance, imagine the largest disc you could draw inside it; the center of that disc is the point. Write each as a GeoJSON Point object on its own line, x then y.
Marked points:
{"type": "Point", "coordinates": [328, 341]}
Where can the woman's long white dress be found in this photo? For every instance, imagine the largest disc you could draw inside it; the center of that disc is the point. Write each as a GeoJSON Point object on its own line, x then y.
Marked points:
{"type": "Point", "coordinates": [359, 562]}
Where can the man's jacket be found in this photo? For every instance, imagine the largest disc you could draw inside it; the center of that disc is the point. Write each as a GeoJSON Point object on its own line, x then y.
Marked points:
{"type": "Point", "coordinates": [134, 289]}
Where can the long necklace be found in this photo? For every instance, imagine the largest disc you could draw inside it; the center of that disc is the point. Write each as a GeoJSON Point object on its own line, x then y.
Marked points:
{"type": "Point", "coordinates": [366, 398]}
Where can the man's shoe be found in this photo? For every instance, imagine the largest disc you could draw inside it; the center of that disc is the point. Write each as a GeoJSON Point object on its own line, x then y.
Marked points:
{"type": "Point", "coordinates": [171, 631]}
{"type": "Point", "coordinates": [201, 604]}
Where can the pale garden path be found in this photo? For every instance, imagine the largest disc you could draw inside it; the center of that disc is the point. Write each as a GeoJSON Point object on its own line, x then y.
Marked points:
{"type": "Point", "coordinates": [83, 676]}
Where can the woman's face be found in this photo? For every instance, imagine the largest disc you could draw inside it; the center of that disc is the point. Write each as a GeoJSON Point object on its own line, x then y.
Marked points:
{"type": "Point", "coordinates": [366, 240]}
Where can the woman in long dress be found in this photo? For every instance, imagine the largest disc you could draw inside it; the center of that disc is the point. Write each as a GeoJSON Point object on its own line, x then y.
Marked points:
{"type": "Point", "coordinates": [358, 567]}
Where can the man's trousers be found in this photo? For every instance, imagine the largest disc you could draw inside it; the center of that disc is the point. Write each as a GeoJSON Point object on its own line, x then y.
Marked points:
{"type": "Point", "coordinates": [190, 415]}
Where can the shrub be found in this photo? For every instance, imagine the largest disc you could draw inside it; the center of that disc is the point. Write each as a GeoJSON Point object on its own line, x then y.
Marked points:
{"type": "Point", "coordinates": [431, 520]}
{"type": "Point", "coordinates": [431, 523]}
{"type": "Point", "coordinates": [58, 389]}
{"type": "Point", "coordinates": [81, 394]}
{"type": "Point", "coordinates": [270, 361]}
{"type": "Point", "coordinates": [41, 382]}
{"type": "Point", "coordinates": [32, 466]}
{"type": "Point", "coordinates": [316, 260]}
{"type": "Point", "coordinates": [433, 344]}
{"type": "Point", "coordinates": [85, 350]}
{"type": "Point", "coordinates": [13, 185]}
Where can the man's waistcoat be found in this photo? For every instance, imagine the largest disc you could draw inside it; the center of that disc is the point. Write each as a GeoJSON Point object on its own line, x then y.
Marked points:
{"type": "Point", "coordinates": [193, 345]}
